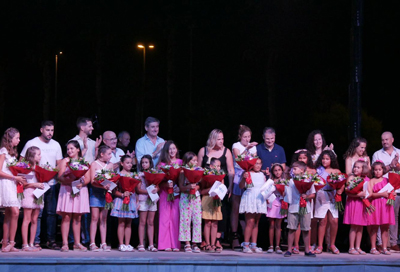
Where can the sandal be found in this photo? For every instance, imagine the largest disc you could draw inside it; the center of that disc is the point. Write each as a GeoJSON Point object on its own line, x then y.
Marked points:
{"type": "Point", "coordinates": [152, 248]}
{"type": "Point", "coordinates": [386, 251]}
{"type": "Point", "coordinates": [188, 248]}
{"type": "Point", "coordinates": [37, 245]}
{"type": "Point", "coordinates": [175, 250]}
{"type": "Point", "coordinates": [210, 249]}
{"type": "Point", "coordinates": [141, 248]}
{"type": "Point", "coordinates": [278, 250]}
{"type": "Point", "coordinates": [28, 248]}
{"type": "Point", "coordinates": [195, 249]}
{"type": "Point", "coordinates": [93, 247]}
{"type": "Point", "coordinates": [295, 250]}
{"type": "Point", "coordinates": [219, 248]}
{"type": "Point", "coordinates": [353, 251]}
{"type": "Point", "coordinates": [360, 251]}
{"type": "Point", "coordinates": [270, 249]}
{"type": "Point", "coordinates": [80, 247]}
{"type": "Point", "coordinates": [235, 236]}
{"type": "Point", "coordinates": [64, 248]}
{"type": "Point", "coordinates": [168, 249]}
{"type": "Point", "coordinates": [52, 245]}
{"type": "Point", "coordinates": [334, 250]}
{"type": "Point", "coordinates": [318, 250]}
{"type": "Point", "coordinates": [373, 251]}
{"type": "Point", "coordinates": [105, 248]}
{"type": "Point", "coordinates": [9, 248]}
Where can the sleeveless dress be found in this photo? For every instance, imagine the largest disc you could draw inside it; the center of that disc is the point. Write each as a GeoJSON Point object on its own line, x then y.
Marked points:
{"type": "Point", "coordinates": [325, 198]}
{"type": "Point", "coordinates": [98, 195]}
{"type": "Point", "coordinates": [118, 212]}
{"type": "Point", "coordinates": [8, 188]}
{"type": "Point", "coordinates": [252, 201]}
{"type": "Point", "coordinates": [29, 198]}
{"type": "Point", "coordinates": [69, 204]}
{"type": "Point", "coordinates": [383, 214]}
{"type": "Point", "coordinates": [354, 211]}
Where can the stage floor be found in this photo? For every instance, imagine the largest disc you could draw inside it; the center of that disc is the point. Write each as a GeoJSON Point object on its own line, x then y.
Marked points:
{"type": "Point", "coordinates": [228, 260]}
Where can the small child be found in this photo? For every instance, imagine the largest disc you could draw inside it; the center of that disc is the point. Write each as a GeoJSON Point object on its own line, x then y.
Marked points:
{"type": "Point", "coordinates": [253, 206]}
{"type": "Point", "coordinates": [147, 211]}
{"type": "Point", "coordinates": [211, 214]}
{"type": "Point", "coordinates": [294, 218]}
{"type": "Point", "coordinates": [31, 209]}
{"type": "Point", "coordinates": [383, 216]}
{"type": "Point", "coordinates": [125, 217]}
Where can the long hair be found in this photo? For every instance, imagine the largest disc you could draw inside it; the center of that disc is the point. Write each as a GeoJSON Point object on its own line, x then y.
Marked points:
{"type": "Point", "coordinates": [275, 165]}
{"type": "Point", "coordinates": [242, 130]}
{"type": "Point", "coordinates": [101, 150]}
{"type": "Point", "coordinates": [31, 153]}
{"type": "Point", "coordinates": [6, 141]}
{"type": "Point", "coordinates": [310, 140]}
{"type": "Point", "coordinates": [76, 145]}
{"type": "Point", "coordinates": [147, 156]}
{"type": "Point", "coordinates": [365, 170]}
{"type": "Point", "coordinates": [212, 138]}
{"type": "Point", "coordinates": [297, 154]}
{"type": "Point", "coordinates": [332, 156]}
{"type": "Point", "coordinates": [187, 157]}
{"type": "Point", "coordinates": [353, 146]}
{"type": "Point", "coordinates": [164, 156]}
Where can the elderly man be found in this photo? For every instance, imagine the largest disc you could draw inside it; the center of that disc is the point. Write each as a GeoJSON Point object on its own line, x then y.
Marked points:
{"type": "Point", "coordinates": [110, 139]}
{"type": "Point", "coordinates": [390, 157]}
{"type": "Point", "coordinates": [150, 143]}
{"type": "Point", "coordinates": [270, 152]}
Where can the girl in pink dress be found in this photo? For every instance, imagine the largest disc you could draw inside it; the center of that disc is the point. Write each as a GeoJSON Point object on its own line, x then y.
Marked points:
{"type": "Point", "coordinates": [383, 216]}
{"type": "Point", "coordinates": [71, 206]}
{"type": "Point", "coordinates": [273, 210]}
{"type": "Point", "coordinates": [355, 214]}
{"type": "Point", "coordinates": [31, 209]}
{"type": "Point", "coordinates": [168, 231]}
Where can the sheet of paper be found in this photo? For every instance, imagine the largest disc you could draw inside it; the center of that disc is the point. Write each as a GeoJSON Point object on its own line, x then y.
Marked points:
{"type": "Point", "coordinates": [154, 197]}
{"type": "Point", "coordinates": [39, 192]}
{"type": "Point", "coordinates": [288, 195]}
{"type": "Point", "coordinates": [74, 184]}
{"type": "Point", "coordinates": [212, 192]}
{"type": "Point", "coordinates": [271, 199]}
{"type": "Point", "coordinates": [176, 194]}
{"type": "Point", "coordinates": [387, 188]}
{"type": "Point", "coordinates": [26, 176]}
{"type": "Point", "coordinates": [112, 184]}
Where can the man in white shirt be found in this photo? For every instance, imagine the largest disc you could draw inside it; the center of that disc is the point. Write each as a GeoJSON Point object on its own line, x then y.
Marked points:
{"type": "Point", "coordinates": [150, 143]}
{"type": "Point", "coordinates": [110, 139]}
{"type": "Point", "coordinates": [390, 157]}
{"type": "Point", "coordinates": [52, 154]}
{"type": "Point", "coordinates": [88, 146]}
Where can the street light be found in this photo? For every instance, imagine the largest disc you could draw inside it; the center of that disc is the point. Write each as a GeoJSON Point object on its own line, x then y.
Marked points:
{"type": "Point", "coordinates": [141, 46]}
{"type": "Point", "coordinates": [55, 87]}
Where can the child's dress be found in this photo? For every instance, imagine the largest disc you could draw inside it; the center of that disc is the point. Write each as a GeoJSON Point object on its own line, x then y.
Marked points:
{"type": "Point", "coordinates": [29, 198]}
{"type": "Point", "coordinates": [252, 201]}
{"type": "Point", "coordinates": [384, 213]}
{"type": "Point", "coordinates": [8, 188]}
{"type": "Point", "coordinates": [355, 212]}
{"type": "Point", "coordinates": [325, 198]}
{"type": "Point", "coordinates": [118, 212]}
{"type": "Point", "coordinates": [274, 208]}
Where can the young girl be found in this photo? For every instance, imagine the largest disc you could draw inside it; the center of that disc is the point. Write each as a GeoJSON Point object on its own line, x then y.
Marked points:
{"type": "Point", "coordinates": [354, 213]}
{"type": "Point", "coordinates": [274, 208]}
{"type": "Point", "coordinates": [8, 188]}
{"type": "Point", "coordinates": [356, 151]}
{"type": "Point", "coordinates": [305, 156]}
{"type": "Point", "coordinates": [125, 217]}
{"type": "Point", "coordinates": [189, 209]}
{"type": "Point", "coordinates": [383, 216]}
{"type": "Point", "coordinates": [168, 232]}
{"type": "Point", "coordinates": [211, 214]}
{"type": "Point", "coordinates": [31, 209]}
{"type": "Point", "coordinates": [325, 209]}
{"type": "Point", "coordinates": [253, 206]}
{"type": "Point", "coordinates": [69, 206]}
{"type": "Point", "coordinates": [98, 199]}
{"type": "Point", "coordinates": [146, 211]}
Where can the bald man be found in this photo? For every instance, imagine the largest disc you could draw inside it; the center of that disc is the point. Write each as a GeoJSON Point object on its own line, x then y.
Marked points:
{"type": "Point", "coordinates": [390, 157]}
{"type": "Point", "coordinates": [110, 139]}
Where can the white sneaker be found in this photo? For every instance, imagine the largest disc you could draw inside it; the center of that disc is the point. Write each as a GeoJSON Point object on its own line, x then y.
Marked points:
{"type": "Point", "coordinates": [270, 249]}
{"type": "Point", "coordinates": [129, 248]}
{"type": "Point", "coordinates": [246, 248]}
{"type": "Point", "coordinates": [255, 249]}
{"type": "Point", "coordinates": [122, 248]}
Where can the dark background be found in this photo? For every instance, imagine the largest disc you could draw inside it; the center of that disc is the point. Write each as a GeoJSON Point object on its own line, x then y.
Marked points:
{"type": "Point", "coordinates": [216, 64]}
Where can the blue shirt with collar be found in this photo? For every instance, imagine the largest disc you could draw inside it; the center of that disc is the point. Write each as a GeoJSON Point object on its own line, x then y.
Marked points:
{"type": "Point", "coordinates": [144, 146]}
{"type": "Point", "coordinates": [276, 155]}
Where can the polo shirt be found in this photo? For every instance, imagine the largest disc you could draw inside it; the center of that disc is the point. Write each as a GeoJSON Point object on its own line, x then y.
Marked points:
{"type": "Point", "coordinates": [276, 155]}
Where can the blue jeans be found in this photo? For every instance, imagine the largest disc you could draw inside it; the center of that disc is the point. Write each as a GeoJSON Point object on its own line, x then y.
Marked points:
{"type": "Point", "coordinates": [50, 206]}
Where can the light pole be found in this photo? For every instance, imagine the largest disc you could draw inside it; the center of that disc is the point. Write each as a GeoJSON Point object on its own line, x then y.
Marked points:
{"type": "Point", "coordinates": [55, 87]}
{"type": "Point", "coordinates": [141, 46]}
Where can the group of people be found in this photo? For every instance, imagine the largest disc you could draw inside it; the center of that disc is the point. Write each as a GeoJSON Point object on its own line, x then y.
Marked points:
{"type": "Point", "coordinates": [191, 217]}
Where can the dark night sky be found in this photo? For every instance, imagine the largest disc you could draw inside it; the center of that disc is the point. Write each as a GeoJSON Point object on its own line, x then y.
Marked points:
{"type": "Point", "coordinates": [242, 52]}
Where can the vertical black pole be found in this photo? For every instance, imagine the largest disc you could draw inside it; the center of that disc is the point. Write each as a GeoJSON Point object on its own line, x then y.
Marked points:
{"type": "Point", "coordinates": [356, 73]}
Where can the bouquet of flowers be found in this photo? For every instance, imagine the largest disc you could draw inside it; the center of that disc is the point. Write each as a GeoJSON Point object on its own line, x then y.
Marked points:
{"type": "Point", "coordinates": [193, 175]}
{"type": "Point", "coordinates": [43, 174]}
{"type": "Point", "coordinates": [303, 184]}
{"type": "Point", "coordinates": [356, 185]}
{"type": "Point", "coordinates": [246, 162]}
{"type": "Point", "coordinates": [171, 173]}
{"type": "Point", "coordinates": [109, 175]}
{"type": "Point", "coordinates": [153, 177]}
{"type": "Point", "coordinates": [394, 180]}
{"type": "Point", "coordinates": [280, 187]}
{"type": "Point", "coordinates": [20, 167]}
{"type": "Point", "coordinates": [336, 181]}
{"type": "Point", "coordinates": [319, 182]}
{"type": "Point", "coordinates": [209, 178]}
{"type": "Point", "coordinates": [128, 184]}
{"type": "Point", "coordinates": [78, 167]}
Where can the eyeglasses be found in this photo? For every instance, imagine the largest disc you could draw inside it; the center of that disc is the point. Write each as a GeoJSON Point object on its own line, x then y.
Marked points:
{"type": "Point", "coordinates": [112, 139]}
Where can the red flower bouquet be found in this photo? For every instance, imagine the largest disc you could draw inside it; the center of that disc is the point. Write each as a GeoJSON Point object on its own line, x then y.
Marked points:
{"type": "Point", "coordinates": [128, 183]}
{"type": "Point", "coordinates": [172, 172]}
{"type": "Point", "coordinates": [20, 167]}
{"type": "Point", "coordinates": [280, 187]}
{"type": "Point", "coordinates": [336, 181]}
{"type": "Point", "coordinates": [394, 180]}
{"type": "Point", "coordinates": [78, 167]}
{"type": "Point", "coordinates": [356, 185]}
{"type": "Point", "coordinates": [43, 174]}
{"type": "Point", "coordinates": [209, 178]}
{"type": "Point", "coordinates": [319, 182]}
{"type": "Point", "coordinates": [246, 162]}
{"type": "Point", "coordinates": [153, 177]}
{"type": "Point", "coordinates": [303, 184]}
{"type": "Point", "coordinates": [193, 174]}
{"type": "Point", "coordinates": [109, 175]}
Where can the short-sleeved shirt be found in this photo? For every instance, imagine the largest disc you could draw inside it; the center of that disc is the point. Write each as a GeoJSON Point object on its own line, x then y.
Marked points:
{"type": "Point", "coordinates": [116, 157]}
{"type": "Point", "coordinates": [90, 155]}
{"type": "Point", "coordinates": [276, 155]}
{"type": "Point", "coordinates": [382, 155]}
{"type": "Point", "coordinates": [144, 146]}
{"type": "Point", "coordinates": [51, 152]}
{"type": "Point", "coordinates": [241, 148]}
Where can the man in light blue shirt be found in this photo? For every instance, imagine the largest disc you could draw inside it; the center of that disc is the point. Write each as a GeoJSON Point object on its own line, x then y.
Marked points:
{"type": "Point", "coordinates": [150, 143]}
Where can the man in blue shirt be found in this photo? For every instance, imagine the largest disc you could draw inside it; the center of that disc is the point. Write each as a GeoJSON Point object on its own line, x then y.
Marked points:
{"type": "Point", "coordinates": [269, 152]}
{"type": "Point", "coordinates": [150, 143]}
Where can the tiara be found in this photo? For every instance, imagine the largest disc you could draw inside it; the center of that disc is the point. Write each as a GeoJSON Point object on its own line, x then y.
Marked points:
{"type": "Point", "coordinates": [300, 150]}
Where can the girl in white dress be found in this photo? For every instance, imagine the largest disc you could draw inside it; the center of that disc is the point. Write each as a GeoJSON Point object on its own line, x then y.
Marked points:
{"type": "Point", "coordinates": [8, 188]}
{"type": "Point", "coordinates": [253, 206]}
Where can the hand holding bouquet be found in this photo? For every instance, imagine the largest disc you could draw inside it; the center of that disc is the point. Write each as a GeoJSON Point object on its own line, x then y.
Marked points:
{"type": "Point", "coordinates": [336, 181]}
{"type": "Point", "coordinates": [100, 178]}
{"type": "Point", "coordinates": [280, 187]}
{"type": "Point", "coordinates": [171, 173]}
{"type": "Point", "coordinates": [43, 174]}
{"type": "Point", "coordinates": [246, 162]}
{"type": "Point", "coordinates": [78, 167]}
{"type": "Point", "coordinates": [356, 185]}
{"type": "Point", "coordinates": [193, 174]}
{"type": "Point", "coordinates": [128, 184]}
{"type": "Point", "coordinates": [20, 167]}
{"type": "Point", "coordinates": [394, 180]}
{"type": "Point", "coordinates": [209, 178]}
{"type": "Point", "coordinates": [303, 184]}
{"type": "Point", "coordinates": [153, 177]}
